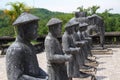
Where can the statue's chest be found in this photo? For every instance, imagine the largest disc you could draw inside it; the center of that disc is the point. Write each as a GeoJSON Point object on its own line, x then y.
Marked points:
{"type": "Point", "coordinates": [58, 47]}
{"type": "Point", "coordinates": [31, 63]}
{"type": "Point", "coordinates": [70, 41]}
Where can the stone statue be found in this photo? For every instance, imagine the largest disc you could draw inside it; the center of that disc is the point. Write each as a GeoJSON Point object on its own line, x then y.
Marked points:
{"type": "Point", "coordinates": [70, 48]}
{"type": "Point", "coordinates": [84, 33]}
{"type": "Point", "coordinates": [92, 28]}
{"type": "Point", "coordinates": [81, 33]}
{"type": "Point", "coordinates": [55, 56]}
{"type": "Point", "coordinates": [81, 18]}
{"type": "Point", "coordinates": [83, 55]}
{"type": "Point", "coordinates": [97, 24]}
{"type": "Point", "coordinates": [21, 60]}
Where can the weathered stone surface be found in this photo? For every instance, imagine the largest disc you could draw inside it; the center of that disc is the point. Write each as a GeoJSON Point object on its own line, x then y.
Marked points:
{"type": "Point", "coordinates": [56, 58]}
{"type": "Point", "coordinates": [89, 71]}
{"type": "Point", "coordinates": [21, 59]}
{"type": "Point", "coordinates": [23, 18]}
{"type": "Point", "coordinates": [54, 21]}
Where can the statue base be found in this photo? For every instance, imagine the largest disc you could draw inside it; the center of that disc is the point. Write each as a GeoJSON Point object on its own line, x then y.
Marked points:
{"type": "Point", "coordinates": [102, 52]}
{"type": "Point", "coordinates": [89, 71]}
{"type": "Point", "coordinates": [0, 52]}
{"type": "Point", "coordinates": [88, 78]}
{"type": "Point", "coordinates": [92, 64]}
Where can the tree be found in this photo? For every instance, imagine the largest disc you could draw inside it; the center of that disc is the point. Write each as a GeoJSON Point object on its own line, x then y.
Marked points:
{"type": "Point", "coordinates": [16, 9]}
{"type": "Point", "coordinates": [93, 9]}
{"type": "Point", "coordinates": [105, 16]}
{"type": "Point", "coordinates": [82, 9]}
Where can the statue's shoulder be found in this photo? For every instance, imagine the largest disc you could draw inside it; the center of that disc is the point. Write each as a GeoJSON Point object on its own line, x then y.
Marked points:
{"type": "Point", "coordinates": [49, 39]}
{"type": "Point", "coordinates": [16, 47]}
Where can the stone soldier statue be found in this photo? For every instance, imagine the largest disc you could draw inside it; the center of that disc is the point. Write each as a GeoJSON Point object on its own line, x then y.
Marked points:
{"type": "Point", "coordinates": [82, 56]}
{"type": "Point", "coordinates": [89, 58]}
{"type": "Point", "coordinates": [70, 48]}
{"type": "Point", "coordinates": [55, 56]}
{"type": "Point", "coordinates": [97, 24]}
{"type": "Point", "coordinates": [84, 33]}
{"type": "Point", "coordinates": [82, 38]}
{"type": "Point", "coordinates": [21, 60]}
{"type": "Point", "coordinates": [101, 29]}
{"type": "Point", "coordinates": [92, 28]}
{"type": "Point", "coordinates": [81, 18]}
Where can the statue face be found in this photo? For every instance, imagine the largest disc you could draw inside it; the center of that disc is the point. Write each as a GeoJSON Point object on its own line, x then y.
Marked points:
{"type": "Point", "coordinates": [92, 21]}
{"type": "Point", "coordinates": [76, 28]}
{"type": "Point", "coordinates": [77, 14]}
{"type": "Point", "coordinates": [82, 28]}
{"type": "Point", "coordinates": [56, 30]}
{"type": "Point", "coordinates": [31, 30]}
{"type": "Point", "coordinates": [70, 30]}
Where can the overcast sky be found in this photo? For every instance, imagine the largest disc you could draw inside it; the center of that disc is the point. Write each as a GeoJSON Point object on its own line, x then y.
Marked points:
{"type": "Point", "coordinates": [68, 5]}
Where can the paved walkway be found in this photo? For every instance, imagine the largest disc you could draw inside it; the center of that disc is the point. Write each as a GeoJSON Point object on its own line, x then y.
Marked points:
{"type": "Point", "coordinates": [108, 69]}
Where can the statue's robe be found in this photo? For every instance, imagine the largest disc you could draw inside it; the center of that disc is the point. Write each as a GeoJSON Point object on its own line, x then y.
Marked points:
{"type": "Point", "coordinates": [55, 59]}
{"type": "Point", "coordinates": [21, 62]}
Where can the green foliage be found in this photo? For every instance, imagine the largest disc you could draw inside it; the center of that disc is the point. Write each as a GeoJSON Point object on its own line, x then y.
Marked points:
{"type": "Point", "coordinates": [45, 15]}
{"type": "Point", "coordinates": [7, 31]}
{"type": "Point", "coordinates": [89, 10]}
{"type": "Point", "coordinates": [112, 21]}
{"type": "Point", "coordinates": [93, 9]}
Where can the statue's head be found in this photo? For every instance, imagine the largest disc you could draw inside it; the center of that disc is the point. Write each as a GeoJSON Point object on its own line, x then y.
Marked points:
{"type": "Point", "coordinates": [77, 14]}
{"type": "Point", "coordinates": [75, 25]}
{"type": "Point", "coordinates": [83, 14]}
{"type": "Point", "coordinates": [83, 26]}
{"type": "Point", "coordinates": [27, 25]}
{"type": "Point", "coordinates": [80, 14]}
{"type": "Point", "coordinates": [69, 27]}
{"type": "Point", "coordinates": [55, 26]}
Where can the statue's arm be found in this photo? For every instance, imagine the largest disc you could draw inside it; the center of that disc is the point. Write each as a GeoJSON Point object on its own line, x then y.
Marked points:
{"type": "Point", "coordinates": [53, 55]}
{"type": "Point", "coordinates": [59, 58]}
{"type": "Point", "coordinates": [79, 43]}
{"type": "Point", "coordinates": [16, 64]}
{"type": "Point", "coordinates": [66, 48]}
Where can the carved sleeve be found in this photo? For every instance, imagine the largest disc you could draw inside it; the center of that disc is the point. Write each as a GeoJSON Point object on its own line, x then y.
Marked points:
{"type": "Point", "coordinates": [54, 53]}
{"type": "Point", "coordinates": [69, 46]}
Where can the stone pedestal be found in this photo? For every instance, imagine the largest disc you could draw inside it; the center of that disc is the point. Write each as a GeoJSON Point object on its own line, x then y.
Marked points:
{"type": "Point", "coordinates": [89, 78]}
{"type": "Point", "coordinates": [89, 71]}
{"type": "Point", "coordinates": [92, 64]}
{"type": "Point", "coordinates": [102, 52]}
{"type": "Point", "coordinates": [0, 52]}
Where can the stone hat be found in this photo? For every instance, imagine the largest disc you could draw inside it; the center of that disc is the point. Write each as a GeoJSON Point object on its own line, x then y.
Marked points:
{"type": "Point", "coordinates": [83, 24]}
{"type": "Point", "coordinates": [68, 24]}
{"type": "Point", "coordinates": [25, 18]}
{"type": "Point", "coordinates": [74, 23]}
{"type": "Point", "coordinates": [53, 21]}
{"type": "Point", "coordinates": [71, 23]}
{"type": "Point", "coordinates": [93, 16]}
